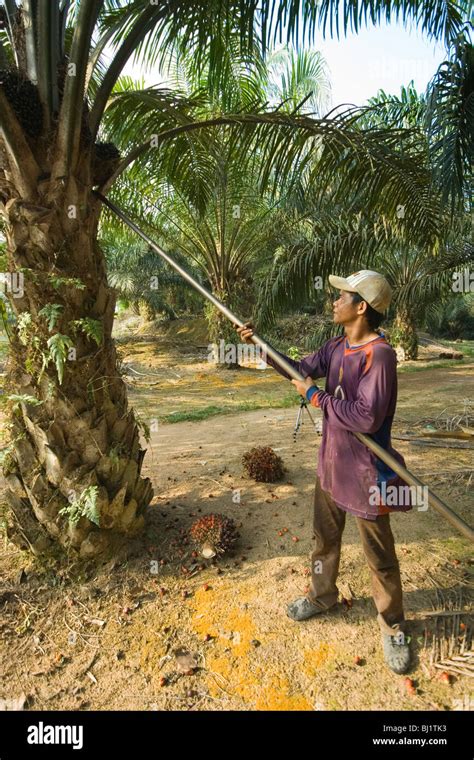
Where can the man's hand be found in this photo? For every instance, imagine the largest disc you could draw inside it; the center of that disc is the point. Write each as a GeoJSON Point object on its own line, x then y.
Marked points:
{"type": "Point", "coordinates": [303, 385]}
{"type": "Point", "coordinates": [245, 332]}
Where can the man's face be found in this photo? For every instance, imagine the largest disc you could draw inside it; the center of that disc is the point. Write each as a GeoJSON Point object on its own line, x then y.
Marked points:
{"type": "Point", "coordinates": [344, 311]}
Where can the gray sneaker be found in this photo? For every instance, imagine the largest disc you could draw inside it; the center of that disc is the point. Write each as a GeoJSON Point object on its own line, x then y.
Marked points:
{"type": "Point", "coordinates": [396, 652]}
{"type": "Point", "coordinates": [302, 609]}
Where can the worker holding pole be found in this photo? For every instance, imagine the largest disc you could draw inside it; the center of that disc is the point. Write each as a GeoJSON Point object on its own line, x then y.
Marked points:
{"type": "Point", "coordinates": [360, 396]}
{"type": "Point", "coordinates": [357, 465]}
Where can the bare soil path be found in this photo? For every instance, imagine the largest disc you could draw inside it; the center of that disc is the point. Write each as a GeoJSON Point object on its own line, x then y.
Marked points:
{"type": "Point", "coordinates": [113, 637]}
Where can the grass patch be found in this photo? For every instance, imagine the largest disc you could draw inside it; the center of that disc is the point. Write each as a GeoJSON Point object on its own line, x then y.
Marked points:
{"type": "Point", "coordinates": [442, 364]}
{"type": "Point", "coordinates": [285, 402]}
{"type": "Point", "coordinates": [4, 346]}
{"type": "Point", "coordinates": [466, 347]}
{"type": "Point", "coordinates": [468, 351]}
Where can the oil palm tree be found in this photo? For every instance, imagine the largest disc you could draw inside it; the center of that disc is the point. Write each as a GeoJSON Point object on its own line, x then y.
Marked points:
{"type": "Point", "coordinates": [418, 267]}
{"type": "Point", "coordinates": [206, 198]}
{"type": "Point", "coordinates": [449, 121]}
{"type": "Point", "coordinates": [419, 277]}
{"type": "Point", "coordinates": [216, 213]}
{"type": "Point", "coordinates": [445, 112]}
{"type": "Point", "coordinates": [74, 463]}
{"type": "Point", "coordinates": [140, 277]}
{"type": "Point", "coordinates": [298, 80]}
{"type": "Point", "coordinates": [419, 281]}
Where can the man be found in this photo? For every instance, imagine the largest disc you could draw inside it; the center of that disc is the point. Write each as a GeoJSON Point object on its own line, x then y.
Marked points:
{"type": "Point", "coordinates": [360, 396]}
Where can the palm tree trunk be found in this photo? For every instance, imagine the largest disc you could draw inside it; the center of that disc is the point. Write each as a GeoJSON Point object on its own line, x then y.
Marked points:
{"type": "Point", "coordinates": [221, 332]}
{"type": "Point", "coordinates": [146, 311]}
{"type": "Point", "coordinates": [72, 434]}
{"type": "Point", "coordinates": [404, 333]}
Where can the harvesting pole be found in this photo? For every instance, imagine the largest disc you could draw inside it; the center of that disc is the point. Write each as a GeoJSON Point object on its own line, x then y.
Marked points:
{"type": "Point", "coordinates": [434, 501]}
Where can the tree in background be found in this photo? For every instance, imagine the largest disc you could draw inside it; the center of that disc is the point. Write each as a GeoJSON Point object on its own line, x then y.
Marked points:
{"type": "Point", "coordinates": [452, 317]}
{"type": "Point", "coordinates": [229, 228]}
{"type": "Point", "coordinates": [142, 279]}
{"type": "Point", "coordinates": [418, 263]}
{"type": "Point", "coordinates": [297, 81]}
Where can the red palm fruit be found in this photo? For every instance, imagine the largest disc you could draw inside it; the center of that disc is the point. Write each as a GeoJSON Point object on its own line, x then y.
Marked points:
{"type": "Point", "coordinates": [409, 686]}
{"type": "Point", "coordinates": [263, 464]}
{"type": "Point", "coordinates": [213, 534]}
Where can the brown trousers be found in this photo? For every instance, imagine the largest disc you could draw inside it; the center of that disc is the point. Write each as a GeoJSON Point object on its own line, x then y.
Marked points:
{"type": "Point", "coordinates": [379, 548]}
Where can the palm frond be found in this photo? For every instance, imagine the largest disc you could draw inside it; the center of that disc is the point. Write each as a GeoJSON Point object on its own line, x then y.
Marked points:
{"type": "Point", "coordinates": [68, 142]}
{"type": "Point", "coordinates": [205, 29]}
{"type": "Point", "coordinates": [297, 75]}
{"type": "Point", "coordinates": [328, 244]}
{"type": "Point", "coordinates": [450, 124]}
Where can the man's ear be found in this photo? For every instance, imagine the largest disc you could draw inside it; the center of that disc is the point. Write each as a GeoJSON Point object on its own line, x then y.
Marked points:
{"type": "Point", "coordinates": [362, 307]}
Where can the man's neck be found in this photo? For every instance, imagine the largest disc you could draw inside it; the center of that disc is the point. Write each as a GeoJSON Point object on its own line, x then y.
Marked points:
{"type": "Point", "coordinates": [358, 334]}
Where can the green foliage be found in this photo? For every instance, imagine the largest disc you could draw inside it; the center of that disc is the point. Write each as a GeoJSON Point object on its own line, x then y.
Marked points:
{"type": "Point", "coordinates": [143, 426]}
{"type": "Point", "coordinates": [407, 109]}
{"type": "Point", "coordinates": [140, 276]}
{"type": "Point", "coordinates": [50, 390]}
{"type": "Point", "coordinates": [307, 332]}
{"type": "Point", "coordinates": [453, 318]}
{"type": "Point", "coordinates": [7, 456]}
{"type": "Point", "coordinates": [293, 353]}
{"type": "Point", "coordinates": [84, 506]}
{"type": "Point", "coordinates": [24, 324]}
{"type": "Point", "coordinates": [51, 312]}
{"type": "Point", "coordinates": [30, 365]}
{"type": "Point", "coordinates": [295, 76]}
{"type": "Point", "coordinates": [58, 346]}
{"type": "Point", "coordinates": [7, 461]}
{"type": "Point", "coordinates": [23, 399]}
{"type": "Point", "coordinates": [90, 327]}
{"type": "Point", "coordinates": [115, 453]}
{"type": "Point", "coordinates": [70, 282]}
{"type": "Point", "coordinates": [4, 317]}
{"type": "Point", "coordinates": [450, 123]}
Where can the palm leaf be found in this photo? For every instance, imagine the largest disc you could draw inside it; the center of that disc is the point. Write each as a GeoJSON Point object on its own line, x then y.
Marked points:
{"type": "Point", "coordinates": [450, 124]}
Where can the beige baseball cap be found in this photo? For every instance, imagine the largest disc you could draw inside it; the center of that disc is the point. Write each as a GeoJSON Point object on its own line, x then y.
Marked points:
{"type": "Point", "coordinates": [372, 286]}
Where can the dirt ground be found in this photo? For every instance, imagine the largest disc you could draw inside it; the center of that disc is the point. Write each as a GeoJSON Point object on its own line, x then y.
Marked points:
{"type": "Point", "coordinates": [165, 630]}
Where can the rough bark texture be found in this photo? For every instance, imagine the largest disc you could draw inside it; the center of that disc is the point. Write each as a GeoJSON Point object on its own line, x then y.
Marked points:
{"type": "Point", "coordinates": [146, 311]}
{"type": "Point", "coordinates": [220, 328]}
{"type": "Point", "coordinates": [404, 334]}
{"type": "Point", "coordinates": [81, 434]}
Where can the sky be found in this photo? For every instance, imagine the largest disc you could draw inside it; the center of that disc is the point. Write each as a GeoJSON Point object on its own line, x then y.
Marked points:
{"type": "Point", "coordinates": [382, 57]}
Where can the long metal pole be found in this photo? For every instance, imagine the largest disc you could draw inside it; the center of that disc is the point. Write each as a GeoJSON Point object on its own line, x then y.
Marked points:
{"type": "Point", "coordinates": [434, 501]}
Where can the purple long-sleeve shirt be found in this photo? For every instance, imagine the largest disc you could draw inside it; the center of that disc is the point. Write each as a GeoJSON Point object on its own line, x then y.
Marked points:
{"type": "Point", "coordinates": [358, 481]}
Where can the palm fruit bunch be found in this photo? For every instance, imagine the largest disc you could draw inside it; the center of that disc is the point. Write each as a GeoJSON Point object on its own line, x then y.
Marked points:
{"type": "Point", "coordinates": [105, 161]}
{"type": "Point", "coordinates": [262, 464]}
{"type": "Point", "coordinates": [213, 534]}
{"type": "Point", "coordinates": [23, 97]}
